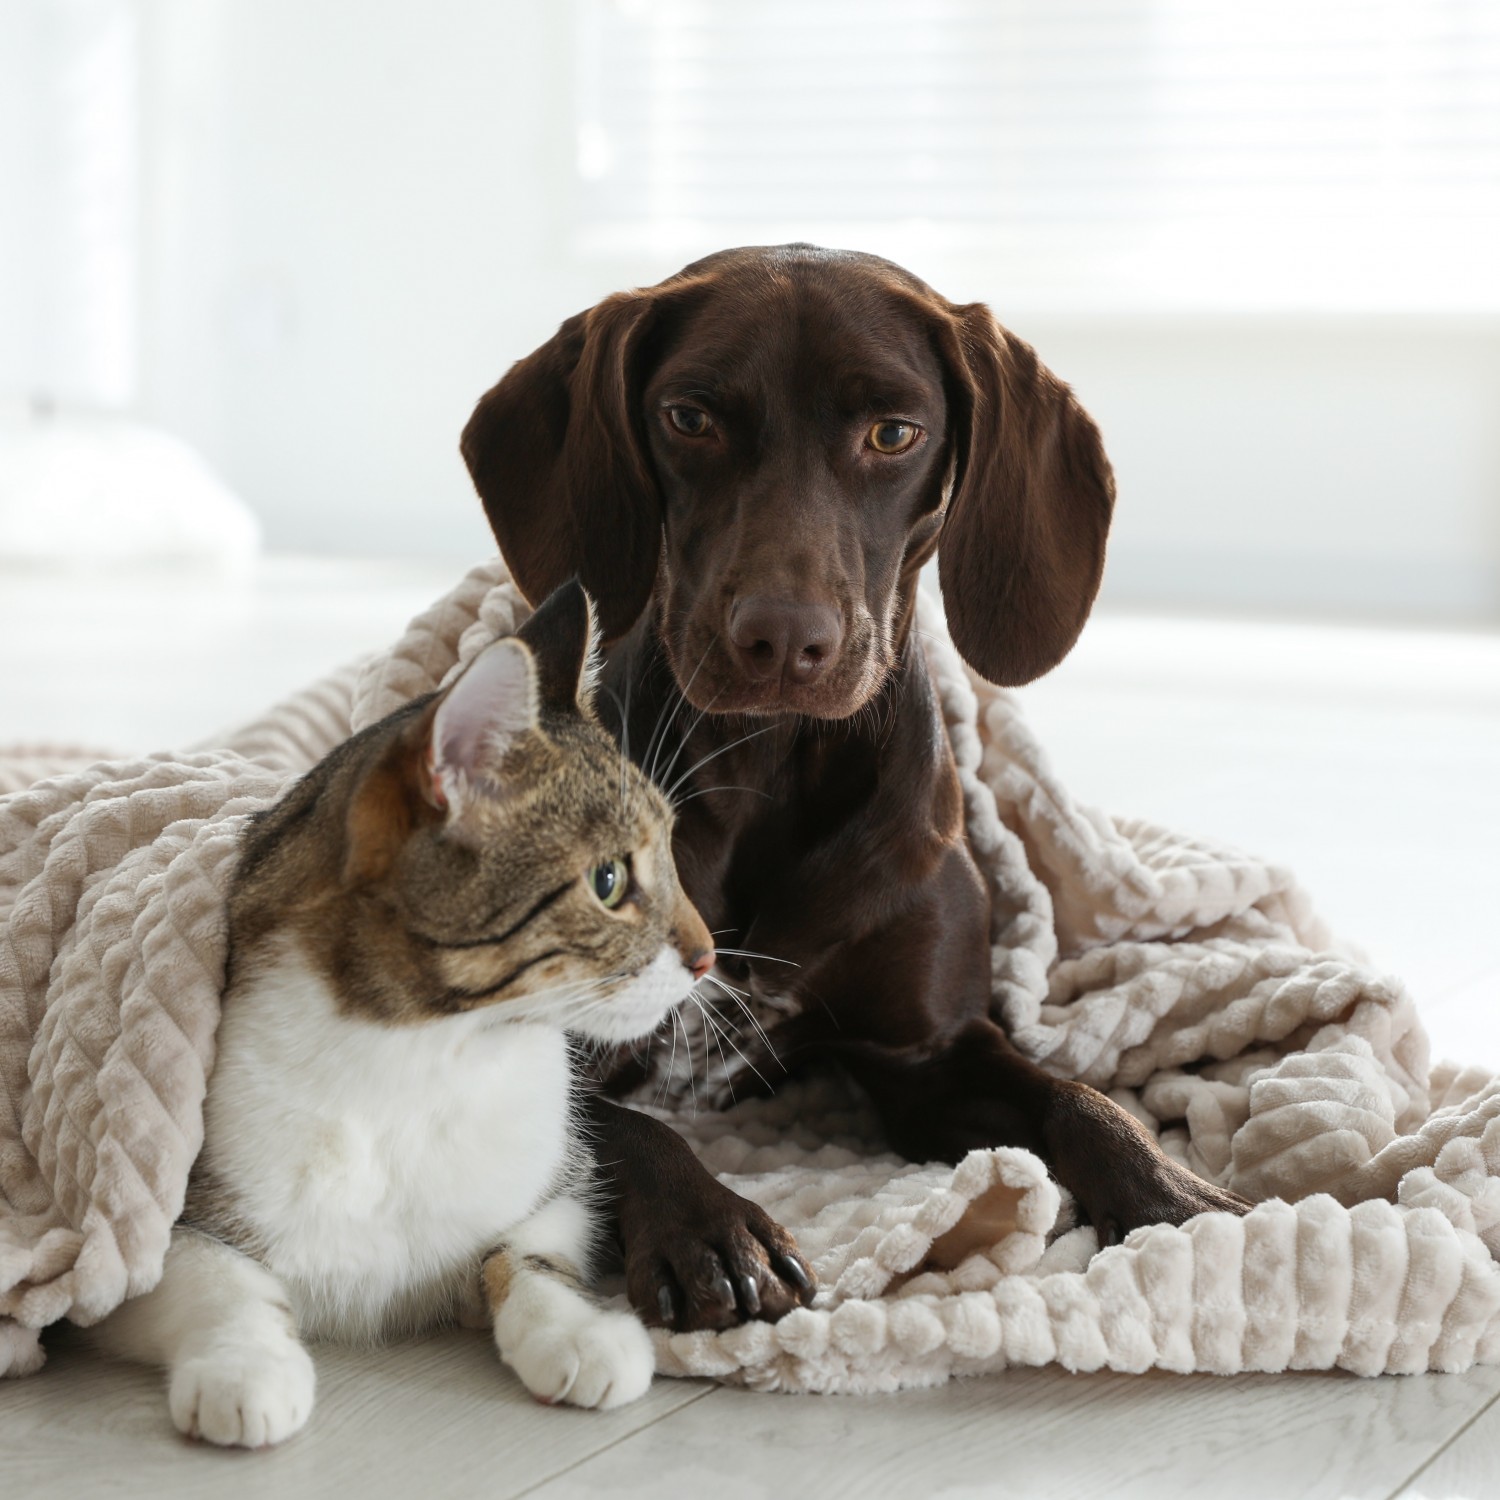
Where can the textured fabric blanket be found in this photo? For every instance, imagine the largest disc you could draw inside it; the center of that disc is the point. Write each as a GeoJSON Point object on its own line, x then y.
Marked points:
{"type": "Point", "coordinates": [1193, 983]}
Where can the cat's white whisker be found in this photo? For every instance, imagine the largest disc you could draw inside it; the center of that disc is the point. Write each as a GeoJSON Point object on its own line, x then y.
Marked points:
{"type": "Point", "coordinates": [698, 765]}
{"type": "Point", "coordinates": [704, 791]}
{"type": "Point", "coordinates": [749, 953]}
{"type": "Point", "coordinates": [648, 755]}
{"type": "Point", "coordinates": [687, 1043]}
{"type": "Point", "coordinates": [734, 1046]}
{"type": "Point", "coordinates": [625, 739]}
{"type": "Point", "coordinates": [623, 709]}
{"type": "Point", "coordinates": [582, 1007]}
{"type": "Point", "coordinates": [688, 733]}
{"type": "Point", "coordinates": [524, 1007]}
{"type": "Point", "coordinates": [680, 699]}
{"type": "Point", "coordinates": [715, 1032]}
{"type": "Point", "coordinates": [671, 1063]}
{"type": "Point", "coordinates": [740, 1001]}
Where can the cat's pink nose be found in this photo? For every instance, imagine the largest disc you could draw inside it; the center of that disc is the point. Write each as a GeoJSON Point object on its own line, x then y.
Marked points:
{"type": "Point", "coordinates": [701, 963]}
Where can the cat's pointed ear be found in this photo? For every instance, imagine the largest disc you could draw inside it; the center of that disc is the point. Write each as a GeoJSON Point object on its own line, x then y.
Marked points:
{"type": "Point", "coordinates": [430, 771]}
{"type": "Point", "coordinates": [478, 719]}
{"type": "Point", "coordinates": [564, 638]}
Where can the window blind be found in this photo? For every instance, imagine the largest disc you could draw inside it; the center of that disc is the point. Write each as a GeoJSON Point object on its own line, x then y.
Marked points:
{"type": "Point", "coordinates": [1159, 150]}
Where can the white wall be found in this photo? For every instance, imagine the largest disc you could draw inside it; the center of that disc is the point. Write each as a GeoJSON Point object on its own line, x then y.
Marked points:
{"type": "Point", "coordinates": [1309, 466]}
{"type": "Point", "coordinates": [359, 213]}
{"type": "Point", "coordinates": [351, 233]}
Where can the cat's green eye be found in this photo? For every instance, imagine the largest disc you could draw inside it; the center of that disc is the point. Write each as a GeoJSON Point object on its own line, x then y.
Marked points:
{"type": "Point", "coordinates": [610, 882]}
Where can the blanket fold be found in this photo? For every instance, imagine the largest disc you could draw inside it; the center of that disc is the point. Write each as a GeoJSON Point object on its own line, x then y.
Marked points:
{"type": "Point", "coordinates": [1193, 983]}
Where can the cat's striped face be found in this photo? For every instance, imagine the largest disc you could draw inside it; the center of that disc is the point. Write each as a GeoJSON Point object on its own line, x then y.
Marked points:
{"type": "Point", "coordinates": [553, 894]}
{"type": "Point", "coordinates": [489, 849]}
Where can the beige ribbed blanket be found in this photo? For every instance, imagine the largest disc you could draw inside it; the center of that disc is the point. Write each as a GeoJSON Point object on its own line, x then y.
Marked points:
{"type": "Point", "coordinates": [1193, 983]}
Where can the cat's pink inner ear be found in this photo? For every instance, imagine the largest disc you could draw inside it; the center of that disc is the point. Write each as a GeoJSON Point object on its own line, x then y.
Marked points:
{"type": "Point", "coordinates": [480, 717]}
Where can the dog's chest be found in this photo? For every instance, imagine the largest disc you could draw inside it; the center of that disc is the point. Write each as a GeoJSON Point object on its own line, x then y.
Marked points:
{"type": "Point", "coordinates": [373, 1166]}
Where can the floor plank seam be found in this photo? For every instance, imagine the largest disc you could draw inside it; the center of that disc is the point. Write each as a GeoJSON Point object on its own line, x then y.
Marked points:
{"type": "Point", "coordinates": [587, 1458]}
{"type": "Point", "coordinates": [1438, 1452]}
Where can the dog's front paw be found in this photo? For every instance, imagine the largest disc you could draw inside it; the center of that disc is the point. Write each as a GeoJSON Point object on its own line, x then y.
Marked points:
{"type": "Point", "coordinates": [592, 1358]}
{"type": "Point", "coordinates": [1120, 1176]}
{"type": "Point", "coordinates": [243, 1395]}
{"type": "Point", "coordinates": [1170, 1195]}
{"type": "Point", "coordinates": [711, 1259]}
{"type": "Point", "coordinates": [1155, 1190]}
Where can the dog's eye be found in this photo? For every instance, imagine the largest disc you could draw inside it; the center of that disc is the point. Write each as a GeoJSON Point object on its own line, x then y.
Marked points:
{"type": "Point", "coordinates": [893, 437]}
{"type": "Point", "coordinates": [691, 421]}
{"type": "Point", "coordinates": [610, 882]}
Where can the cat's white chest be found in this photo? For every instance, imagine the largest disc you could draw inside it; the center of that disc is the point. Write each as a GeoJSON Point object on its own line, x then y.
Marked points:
{"type": "Point", "coordinates": [375, 1165]}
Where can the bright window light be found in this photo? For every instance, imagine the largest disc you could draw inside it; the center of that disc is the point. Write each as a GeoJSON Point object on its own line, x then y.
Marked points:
{"type": "Point", "coordinates": [69, 154]}
{"type": "Point", "coordinates": [1288, 153]}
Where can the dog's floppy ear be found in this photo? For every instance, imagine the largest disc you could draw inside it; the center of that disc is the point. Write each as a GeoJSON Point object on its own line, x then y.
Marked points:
{"type": "Point", "coordinates": [1022, 547]}
{"type": "Point", "coordinates": [558, 458]}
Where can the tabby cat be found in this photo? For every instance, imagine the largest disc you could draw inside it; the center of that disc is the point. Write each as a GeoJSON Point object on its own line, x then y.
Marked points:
{"type": "Point", "coordinates": [416, 930]}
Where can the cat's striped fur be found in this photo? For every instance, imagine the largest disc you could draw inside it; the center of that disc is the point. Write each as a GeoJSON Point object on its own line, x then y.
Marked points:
{"type": "Point", "coordinates": [416, 930]}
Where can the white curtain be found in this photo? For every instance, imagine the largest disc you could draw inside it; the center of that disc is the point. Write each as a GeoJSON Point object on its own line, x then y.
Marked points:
{"type": "Point", "coordinates": [68, 201]}
{"type": "Point", "coordinates": [1284, 152]}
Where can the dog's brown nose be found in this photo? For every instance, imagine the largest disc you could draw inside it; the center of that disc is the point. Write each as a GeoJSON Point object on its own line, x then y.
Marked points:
{"type": "Point", "coordinates": [773, 638]}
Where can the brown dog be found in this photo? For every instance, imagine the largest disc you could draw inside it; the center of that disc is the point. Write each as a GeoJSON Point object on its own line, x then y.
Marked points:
{"type": "Point", "coordinates": [764, 449]}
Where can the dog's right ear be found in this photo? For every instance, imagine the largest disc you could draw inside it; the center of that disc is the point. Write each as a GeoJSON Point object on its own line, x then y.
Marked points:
{"type": "Point", "coordinates": [557, 454]}
{"type": "Point", "coordinates": [1022, 548]}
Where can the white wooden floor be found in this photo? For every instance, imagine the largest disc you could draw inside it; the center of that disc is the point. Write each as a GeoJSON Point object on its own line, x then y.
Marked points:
{"type": "Point", "coordinates": [1368, 760]}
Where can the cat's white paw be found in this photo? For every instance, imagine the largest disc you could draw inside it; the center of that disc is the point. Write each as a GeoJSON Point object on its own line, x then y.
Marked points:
{"type": "Point", "coordinates": [592, 1358]}
{"type": "Point", "coordinates": [243, 1395]}
{"type": "Point", "coordinates": [21, 1351]}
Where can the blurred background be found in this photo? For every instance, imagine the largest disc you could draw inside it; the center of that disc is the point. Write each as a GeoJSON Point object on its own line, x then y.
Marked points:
{"type": "Point", "coordinates": [302, 236]}
{"type": "Point", "coordinates": [258, 258]}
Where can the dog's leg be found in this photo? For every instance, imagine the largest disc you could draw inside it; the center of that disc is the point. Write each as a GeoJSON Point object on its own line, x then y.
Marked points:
{"type": "Point", "coordinates": [696, 1254]}
{"type": "Point", "coordinates": [980, 1091]}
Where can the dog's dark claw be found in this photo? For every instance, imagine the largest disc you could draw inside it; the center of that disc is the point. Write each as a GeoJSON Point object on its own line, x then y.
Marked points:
{"type": "Point", "coordinates": [698, 1256]}
{"type": "Point", "coordinates": [789, 1268]}
{"type": "Point", "coordinates": [668, 1305]}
